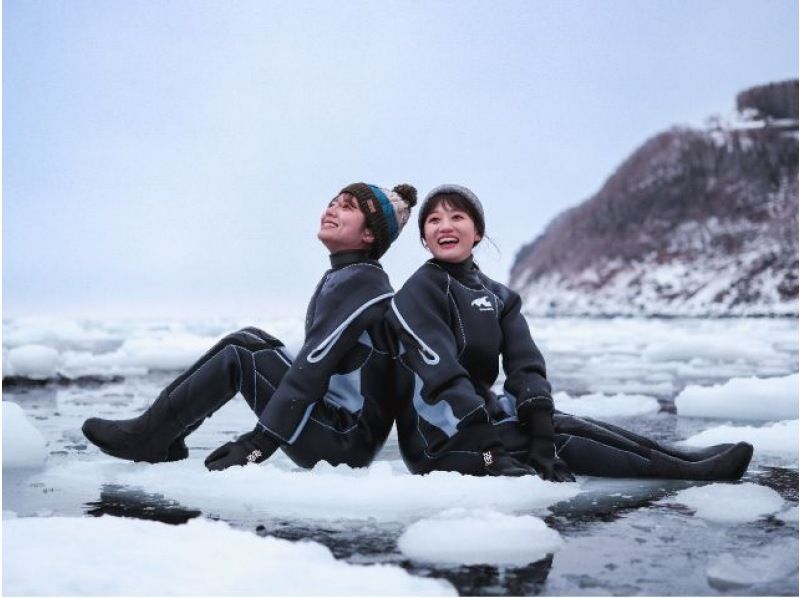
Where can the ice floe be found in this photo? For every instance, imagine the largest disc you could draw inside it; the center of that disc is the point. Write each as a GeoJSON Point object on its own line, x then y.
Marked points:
{"type": "Point", "coordinates": [600, 405]}
{"type": "Point", "coordinates": [479, 536]}
{"type": "Point", "coordinates": [23, 444]}
{"type": "Point", "coordinates": [730, 503]}
{"type": "Point", "coordinates": [110, 555]}
{"type": "Point", "coordinates": [380, 491]}
{"type": "Point", "coordinates": [742, 398]}
{"type": "Point", "coordinates": [37, 362]}
{"type": "Point", "coordinates": [778, 437]}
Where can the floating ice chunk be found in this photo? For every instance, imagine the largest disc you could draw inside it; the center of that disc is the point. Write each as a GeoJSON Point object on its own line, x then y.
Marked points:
{"type": "Point", "coordinates": [730, 503]}
{"type": "Point", "coordinates": [775, 561]}
{"type": "Point", "coordinates": [324, 492]}
{"type": "Point", "coordinates": [38, 362]}
{"type": "Point", "coordinates": [110, 555]}
{"type": "Point", "coordinates": [742, 398]}
{"type": "Point", "coordinates": [600, 405]}
{"type": "Point", "coordinates": [23, 444]}
{"type": "Point", "coordinates": [789, 515]}
{"type": "Point", "coordinates": [780, 437]}
{"type": "Point", "coordinates": [474, 537]}
{"type": "Point", "coordinates": [683, 346]}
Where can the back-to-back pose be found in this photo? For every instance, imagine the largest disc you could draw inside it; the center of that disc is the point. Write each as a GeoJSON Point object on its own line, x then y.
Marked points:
{"type": "Point", "coordinates": [453, 323]}
{"type": "Point", "coordinates": [335, 401]}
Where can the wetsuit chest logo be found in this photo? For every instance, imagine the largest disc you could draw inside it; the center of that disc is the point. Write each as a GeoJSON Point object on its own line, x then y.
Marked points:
{"type": "Point", "coordinates": [482, 304]}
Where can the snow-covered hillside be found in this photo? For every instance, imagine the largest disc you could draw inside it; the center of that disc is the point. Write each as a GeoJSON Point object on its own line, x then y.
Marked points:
{"type": "Point", "coordinates": [695, 222]}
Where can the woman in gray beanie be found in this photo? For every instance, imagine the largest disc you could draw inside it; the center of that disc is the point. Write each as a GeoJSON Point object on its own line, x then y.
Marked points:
{"type": "Point", "coordinates": [454, 322]}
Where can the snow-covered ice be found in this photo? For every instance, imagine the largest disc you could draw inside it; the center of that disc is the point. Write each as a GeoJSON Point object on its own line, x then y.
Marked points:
{"type": "Point", "coordinates": [622, 537]}
{"type": "Point", "coordinates": [731, 503]}
{"type": "Point", "coordinates": [778, 437]}
{"type": "Point", "coordinates": [37, 362]}
{"type": "Point", "coordinates": [115, 556]}
{"type": "Point", "coordinates": [23, 444]}
{"type": "Point", "coordinates": [380, 492]}
{"type": "Point", "coordinates": [755, 399]}
{"type": "Point", "coordinates": [479, 536]}
{"type": "Point", "coordinates": [599, 405]}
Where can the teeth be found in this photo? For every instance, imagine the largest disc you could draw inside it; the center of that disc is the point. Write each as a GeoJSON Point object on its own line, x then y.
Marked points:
{"type": "Point", "coordinates": [447, 241]}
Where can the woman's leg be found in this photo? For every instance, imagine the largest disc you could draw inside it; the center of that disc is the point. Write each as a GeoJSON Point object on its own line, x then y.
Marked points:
{"type": "Point", "coordinates": [595, 448]}
{"type": "Point", "coordinates": [248, 361]}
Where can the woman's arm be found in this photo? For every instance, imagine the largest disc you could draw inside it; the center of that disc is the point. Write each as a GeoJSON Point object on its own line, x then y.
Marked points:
{"type": "Point", "coordinates": [348, 300]}
{"type": "Point", "coordinates": [523, 363]}
{"type": "Point", "coordinates": [420, 317]}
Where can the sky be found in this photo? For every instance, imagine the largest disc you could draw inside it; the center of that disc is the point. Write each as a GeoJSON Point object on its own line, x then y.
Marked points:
{"type": "Point", "coordinates": [166, 159]}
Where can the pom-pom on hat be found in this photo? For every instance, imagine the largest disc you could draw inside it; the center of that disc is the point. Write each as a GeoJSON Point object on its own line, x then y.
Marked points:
{"type": "Point", "coordinates": [464, 193]}
{"type": "Point", "coordinates": [386, 211]}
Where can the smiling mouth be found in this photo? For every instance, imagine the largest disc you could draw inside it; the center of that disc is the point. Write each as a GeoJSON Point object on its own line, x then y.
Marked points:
{"type": "Point", "coordinates": [329, 224]}
{"type": "Point", "coordinates": [447, 242]}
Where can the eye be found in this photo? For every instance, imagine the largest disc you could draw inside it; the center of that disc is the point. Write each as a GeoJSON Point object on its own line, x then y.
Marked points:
{"type": "Point", "coordinates": [457, 216]}
{"type": "Point", "coordinates": [433, 220]}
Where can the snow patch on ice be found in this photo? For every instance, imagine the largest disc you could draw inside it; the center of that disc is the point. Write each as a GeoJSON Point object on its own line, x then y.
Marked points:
{"type": "Point", "coordinates": [37, 362]}
{"type": "Point", "coordinates": [600, 405]}
{"type": "Point", "coordinates": [789, 515]}
{"type": "Point", "coordinates": [23, 444]}
{"type": "Point", "coordinates": [779, 437]}
{"type": "Point", "coordinates": [730, 571]}
{"type": "Point", "coordinates": [742, 398]}
{"type": "Point", "coordinates": [479, 536]}
{"type": "Point", "coordinates": [324, 492]}
{"type": "Point", "coordinates": [109, 555]}
{"type": "Point", "coordinates": [730, 503]}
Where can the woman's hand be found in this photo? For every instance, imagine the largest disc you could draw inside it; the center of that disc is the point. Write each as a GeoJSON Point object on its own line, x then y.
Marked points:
{"type": "Point", "coordinates": [253, 447]}
{"type": "Point", "coordinates": [542, 456]}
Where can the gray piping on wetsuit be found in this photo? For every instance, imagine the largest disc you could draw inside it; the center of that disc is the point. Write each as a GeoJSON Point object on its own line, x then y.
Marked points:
{"type": "Point", "coordinates": [425, 351]}
{"type": "Point", "coordinates": [325, 346]}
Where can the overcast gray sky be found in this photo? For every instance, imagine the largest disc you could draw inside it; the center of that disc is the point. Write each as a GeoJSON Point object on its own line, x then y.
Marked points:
{"type": "Point", "coordinates": [172, 158]}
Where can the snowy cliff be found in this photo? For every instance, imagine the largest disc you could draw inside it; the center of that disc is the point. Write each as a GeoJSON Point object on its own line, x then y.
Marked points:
{"type": "Point", "coordinates": [695, 222]}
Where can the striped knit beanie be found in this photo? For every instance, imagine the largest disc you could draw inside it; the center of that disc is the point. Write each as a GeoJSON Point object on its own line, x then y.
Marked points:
{"type": "Point", "coordinates": [386, 211]}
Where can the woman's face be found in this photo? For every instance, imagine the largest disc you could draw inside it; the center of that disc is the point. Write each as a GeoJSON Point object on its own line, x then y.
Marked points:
{"type": "Point", "coordinates": [450, 233]}
{"type": "Point", "coordinates": [342, 226]}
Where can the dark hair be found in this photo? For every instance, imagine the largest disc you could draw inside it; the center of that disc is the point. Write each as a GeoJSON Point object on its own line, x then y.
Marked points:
{"type": "Point", "coordinates": [454, 201]}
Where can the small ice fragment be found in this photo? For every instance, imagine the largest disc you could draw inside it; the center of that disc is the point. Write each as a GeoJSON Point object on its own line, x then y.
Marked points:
{"type": "Point", "coordinates": [730, 503]}
{"type": "Point", "coordinates": [23, 444]}
{"type": "Point", "coordinates": [778, 437]}
{"type": "Point", "coordinates": [38, 362]}
{"type": "Point", "coordinates": [742, 398]}
{"type": "Point", "coordinates": [473, 537]}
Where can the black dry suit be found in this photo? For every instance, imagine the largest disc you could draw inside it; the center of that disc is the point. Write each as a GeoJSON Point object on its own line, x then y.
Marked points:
{"type": "Point", "coordinates": [453, 323]}
{"type": "Point", "coordinates": [333, 402]}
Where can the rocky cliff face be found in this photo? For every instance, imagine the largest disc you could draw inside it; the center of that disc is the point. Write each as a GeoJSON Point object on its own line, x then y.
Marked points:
{"type": "Point", "coordinates": [695, 222]}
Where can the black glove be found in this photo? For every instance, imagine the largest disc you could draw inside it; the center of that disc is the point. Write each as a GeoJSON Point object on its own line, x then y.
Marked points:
{"type": "Point", "coordinates": [497, 462]}
{"type": "Point", "coordinates": [253, 447]}
{"type": "Point", "coordinates": [542, 453]}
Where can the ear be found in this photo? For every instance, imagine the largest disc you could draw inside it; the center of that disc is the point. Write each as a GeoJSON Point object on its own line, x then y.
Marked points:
{"type": "Point", "coordinates": [367, 236]}
{"type": "Point", "coordinates": [478, 238]}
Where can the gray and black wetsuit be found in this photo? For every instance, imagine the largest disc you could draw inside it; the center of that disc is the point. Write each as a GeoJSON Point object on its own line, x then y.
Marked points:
{"type": "Point", "coordinates": [334, 400]}
{"type": "Point", "coordinates": [453, 323]}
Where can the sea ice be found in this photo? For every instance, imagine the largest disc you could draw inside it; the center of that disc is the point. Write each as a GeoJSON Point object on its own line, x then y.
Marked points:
{"type": "Point", "coordinates": [779, 437]}
{"type": "Point", "coordinates": [742, 398]}
{"type": "Point", "coordinates": [733, 570]}
{"type": "Point", "coordinates": [479, 536]}
{"type": "Point", "coordinates": [324, 492]}
{"type": "Point", "coordinates": [600, 405]}
{"type": "Point", "coordinates": [730, 503]}
{"type": "Point", "coordinates": [23, 444]}
{"type": "Point", "coordinates": [110, 555]}
{"type": "Point", "coordinates": [789, 515]}
{"type": "Point", "coordinates": [37, 362]}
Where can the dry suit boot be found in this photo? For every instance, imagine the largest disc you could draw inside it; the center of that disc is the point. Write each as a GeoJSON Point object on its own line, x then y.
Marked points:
{"type": "Point", "coordinates": [155, 436]}
{"type": "Point", "coordinates": [729, 465]}
{"type": "Point", "coordinates": [158, 434]}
